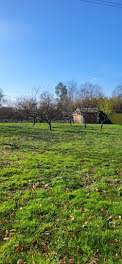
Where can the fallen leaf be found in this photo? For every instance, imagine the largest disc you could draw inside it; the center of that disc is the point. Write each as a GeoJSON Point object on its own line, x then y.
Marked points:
{"type": "Point", "coordinates": [20, 261]}
{"type": "Point", "coordinates": [43, 244]}
{"type": "Point", "coordinates": [10, 234]}
{"type": "Point", "coordinates": [85, 224]}
{"type": "Point", "coordinates": [111, 201]}
{"type": "Point", "coordinates": [92, 217]}
{"type": "Point", "coordinates": [11, 215]}
{"type": "Point", "coordinates": [112, 243]}
{"type": "Point", "coordinates": [34, 242]}
{"type": "Point", "coordinates": [118, 256]}
{"type": "Point", "coordinates": [38, 213]}
{"type": "Point", "coordinates": [111, 217]}
{"type": "Point", "coordinates": [19, 249]}
{"type": "Point", "coordinates": [4, 222]}
{"type": "Point", "coordinates": [78, 249]}
{"type": "Point", "coordinates": [12, 230]}
{"type": "Point", "coordinates": [116, 218]}
{"type": "Point", "coordinates": [63, 262]}
{"type": "Point", "coordinates": [97, 259]}
{"type": "Point", "coordinates": [94, 260]}
{"type": "Point", "coordinates": [96, 253]}
{"type": "Point", "coordinates": [116, 240]}
{"type": "Point", "coordinates": [5, 238]}
{"type": "Point", "coordinates": [72, 261]}
{"type": "Point", "coordinates": [26, 199]}
{"type": "Point", "coordinates": [6, 233]}
{"type": "Point", "coordinates": [46, 248]}
{"type": "Point", "coordinates": [68, 203]}
{"type": "Point", "coordinates": [69, 236]}
{"type": "Point", "coordinates": [103, 210]}
{"type": "Point", "coordinates": [66, 249]}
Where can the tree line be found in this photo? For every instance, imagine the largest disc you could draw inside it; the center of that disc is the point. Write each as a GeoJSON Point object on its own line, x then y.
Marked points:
{"type": "Point", "coordinates": [45, 107]}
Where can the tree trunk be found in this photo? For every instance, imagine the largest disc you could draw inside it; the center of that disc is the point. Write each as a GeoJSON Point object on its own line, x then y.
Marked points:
{"type": "Point", "coordinates": [84, 123]}
{"type": "Point", "coordinates": [50, 126]}
{"type": "Point", "coordinates": [101, 126]}
{"type": "Point", "coordinates": [34, 121]}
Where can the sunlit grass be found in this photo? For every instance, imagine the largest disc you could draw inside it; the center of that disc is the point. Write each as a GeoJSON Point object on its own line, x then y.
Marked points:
{"type": "Point", "coordinates": [60, 194]}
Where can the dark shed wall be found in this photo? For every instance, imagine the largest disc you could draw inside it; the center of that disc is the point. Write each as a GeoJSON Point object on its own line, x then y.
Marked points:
{"type": "Point", "coordinates": [91, 118]}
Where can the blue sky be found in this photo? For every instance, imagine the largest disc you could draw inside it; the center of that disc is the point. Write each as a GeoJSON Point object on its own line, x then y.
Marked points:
{"type": "Point", "coordinates": [43, 42]}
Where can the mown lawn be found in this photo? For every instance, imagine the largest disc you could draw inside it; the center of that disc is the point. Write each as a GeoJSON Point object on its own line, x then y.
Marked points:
{"type": "Point", "coordinates": [60, 194]}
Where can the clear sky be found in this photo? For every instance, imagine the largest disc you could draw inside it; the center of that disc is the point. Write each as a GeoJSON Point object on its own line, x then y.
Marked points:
{"type": "Point", "coordinates": [43, 42]}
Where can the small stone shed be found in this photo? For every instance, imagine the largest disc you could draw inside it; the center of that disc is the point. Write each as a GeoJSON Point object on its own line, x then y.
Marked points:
{"type": "Point", "coordinates": [90, 115]}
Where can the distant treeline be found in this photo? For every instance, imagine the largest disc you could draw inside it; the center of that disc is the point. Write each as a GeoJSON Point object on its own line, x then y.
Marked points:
{"type": "Point", "coordinates": [47, 108]}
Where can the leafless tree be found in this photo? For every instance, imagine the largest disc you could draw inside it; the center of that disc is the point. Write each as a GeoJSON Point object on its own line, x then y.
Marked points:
{"type": "Point", "coordinates": [72, 89]}
{"type": "Point", "coordinates": [47, 108]}
{"type": "Point", "coordinates": [27, 107]}
{"type": "Point", "coordinates": [118, 91]}
{"type": "Point", "coordinates": [2, 100]}
{"type": "Point", "coordinates": [117, 99]}
{"type": "Point", "coordinates": [69, 108]}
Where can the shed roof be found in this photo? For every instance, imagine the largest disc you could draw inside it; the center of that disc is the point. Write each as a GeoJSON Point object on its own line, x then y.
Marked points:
{"type": "Point", "coordinates": [85, 110]}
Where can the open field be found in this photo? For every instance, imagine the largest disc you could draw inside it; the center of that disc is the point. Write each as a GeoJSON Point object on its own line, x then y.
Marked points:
{"type": "Point", "coordinates": [60, 194]}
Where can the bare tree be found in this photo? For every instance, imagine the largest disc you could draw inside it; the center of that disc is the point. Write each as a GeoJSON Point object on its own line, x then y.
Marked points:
{"type": "Point", "coordinates": [33, 109]}
{"type": "Point", "coordinates": [72, 89]}
{"type": "Point", "coordinates": [2, 100]}
{"type": "Point", "coordinates": [27, 107]}
{"type": "Point", "coordinates": [118, 91]}
{"type": "Point", "coordinates": [116, 100]}
{"type": "Point", "coordinates": [47, 108]}
{"type": "Point", "coordinates": [69, 108]}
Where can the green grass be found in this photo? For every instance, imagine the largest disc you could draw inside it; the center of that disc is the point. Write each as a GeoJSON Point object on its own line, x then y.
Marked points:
{"type": "Point", "coordinates": [116, 118]}
{"type": "Point", "coordinates": [60, 194]}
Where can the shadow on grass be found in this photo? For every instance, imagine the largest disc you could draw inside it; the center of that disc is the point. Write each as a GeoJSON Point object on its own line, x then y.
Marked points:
{"type": "Point", "coordinates": [59, 131]}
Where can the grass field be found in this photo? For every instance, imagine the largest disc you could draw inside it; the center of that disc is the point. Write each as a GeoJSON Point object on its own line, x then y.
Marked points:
{"type": "Point", "coordinates": [60, 194]}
